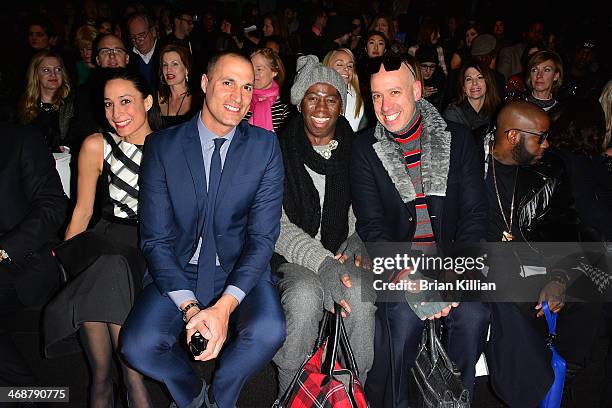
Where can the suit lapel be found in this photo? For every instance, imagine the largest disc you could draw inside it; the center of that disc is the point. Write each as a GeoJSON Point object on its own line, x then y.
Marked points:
{"type": "Point", "coordinates": [233, 159]}
{"type": "Point", "coordinates": [192, 148]}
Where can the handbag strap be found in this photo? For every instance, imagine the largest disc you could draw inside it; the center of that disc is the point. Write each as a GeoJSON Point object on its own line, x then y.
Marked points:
{"type": "Point", "coordinates": [351, 363]}
{"type": "Point", "coordinates": [433, 349]}
{"type": "Point", "coordinates": [331, 354]}
{"type": "Point", "coordinates": [323, 330]}
{"type": "Point", "coordinates": [551, 319]}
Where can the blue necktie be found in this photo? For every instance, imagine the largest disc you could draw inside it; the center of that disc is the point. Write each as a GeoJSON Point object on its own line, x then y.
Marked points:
{"type": "Point", "coordinates": [205, 286]}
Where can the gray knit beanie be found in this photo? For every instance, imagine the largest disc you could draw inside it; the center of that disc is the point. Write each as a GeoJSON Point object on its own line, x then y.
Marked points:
{"type": "Point", "coordinates": [309, 72]}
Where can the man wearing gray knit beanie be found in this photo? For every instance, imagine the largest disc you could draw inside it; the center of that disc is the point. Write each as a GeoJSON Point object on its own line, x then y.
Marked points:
{"type": "Point", "coordinates": [318, 255]}
{"type": "Point", "coordinates": [310, 71]}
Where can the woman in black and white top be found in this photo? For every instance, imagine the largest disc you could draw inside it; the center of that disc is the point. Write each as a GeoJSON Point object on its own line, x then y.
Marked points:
{"type": "Point", "coordinates": [99, 297]}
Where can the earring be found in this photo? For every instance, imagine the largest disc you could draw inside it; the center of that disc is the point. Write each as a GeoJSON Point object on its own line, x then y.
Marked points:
{"type": "Point", "coordinates": [186, 77]}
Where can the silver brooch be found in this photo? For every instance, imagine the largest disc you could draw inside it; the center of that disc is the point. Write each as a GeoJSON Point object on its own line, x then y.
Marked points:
{"type": "Point", "coordinates": [327, 152]}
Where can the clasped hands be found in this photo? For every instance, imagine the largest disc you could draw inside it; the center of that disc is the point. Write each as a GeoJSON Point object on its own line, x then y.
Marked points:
{"type": "Point", "coordinates": [212, 323]}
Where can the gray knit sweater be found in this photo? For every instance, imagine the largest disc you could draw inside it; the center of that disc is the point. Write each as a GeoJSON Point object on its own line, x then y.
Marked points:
{"type": "Point", "coordinates": [297, 246]}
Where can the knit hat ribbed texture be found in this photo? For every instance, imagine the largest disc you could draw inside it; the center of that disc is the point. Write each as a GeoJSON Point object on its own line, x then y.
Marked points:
{"type": "Point", "coordinates": [309, 72]}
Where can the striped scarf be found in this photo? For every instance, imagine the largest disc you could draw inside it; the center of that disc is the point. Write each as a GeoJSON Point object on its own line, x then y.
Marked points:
{"type": "Point", "coordinates": [410, 144]}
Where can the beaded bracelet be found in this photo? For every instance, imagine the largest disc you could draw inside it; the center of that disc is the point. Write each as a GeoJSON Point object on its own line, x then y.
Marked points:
{"type": "Point", "coordinates": [186, 309]}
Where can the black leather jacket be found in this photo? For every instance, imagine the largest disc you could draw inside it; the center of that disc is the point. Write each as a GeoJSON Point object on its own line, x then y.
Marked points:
{"type": "Point", "coordinates": [546, 210]}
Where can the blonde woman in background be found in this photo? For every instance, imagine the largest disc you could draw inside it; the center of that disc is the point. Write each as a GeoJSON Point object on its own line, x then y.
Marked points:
{"type": "Point", "coordinates": [544, 77]}
{"type": "Point", "coordinates": [606, 103]}
{"type": "Point", "coordinates": [47, 101]}
{"type": "Point", "coordinates": [342, 61]}
{"type": "Point", "coordinates": [83, 40]}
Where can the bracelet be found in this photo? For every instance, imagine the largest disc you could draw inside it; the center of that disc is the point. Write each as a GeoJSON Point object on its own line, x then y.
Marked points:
{"type": "Point", "coordinates": [186, 309]}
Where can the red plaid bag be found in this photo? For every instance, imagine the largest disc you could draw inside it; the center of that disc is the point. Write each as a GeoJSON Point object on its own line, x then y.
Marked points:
{"type": "Point", "coordinates": [317, 383]}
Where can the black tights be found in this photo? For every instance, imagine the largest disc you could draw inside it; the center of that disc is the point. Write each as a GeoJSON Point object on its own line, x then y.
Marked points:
{"type": "Point", "coordinates": [99, 341]}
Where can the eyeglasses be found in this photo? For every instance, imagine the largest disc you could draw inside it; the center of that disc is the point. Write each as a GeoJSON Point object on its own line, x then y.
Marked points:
{"type": "Point", "coordinates": [107, 52]}
{"type": "Point", "coordinates": [140, 36]}
{"type": "Point", "coordinates": [541, 136]}
{"type": "Point", "coordinates": [391, 61]}
{"type": "Point", "coordinates": [429, 67]}
{"type": "Point", "coordinates": [189, 21]}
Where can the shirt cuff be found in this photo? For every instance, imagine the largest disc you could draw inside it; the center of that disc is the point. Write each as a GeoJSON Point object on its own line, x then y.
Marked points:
{"type": "Point", "coordinates": [180, 296]}
{"type": "Point", "coordinates": [235, 292]}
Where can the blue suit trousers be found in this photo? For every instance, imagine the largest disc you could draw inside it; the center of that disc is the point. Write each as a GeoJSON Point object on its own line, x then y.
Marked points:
{"type": "Point", "coordinates": [150, 344]}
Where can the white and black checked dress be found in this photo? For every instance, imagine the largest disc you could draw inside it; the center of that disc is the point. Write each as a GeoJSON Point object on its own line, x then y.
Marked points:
{"type": "Point", "coordinates": [106, 289]}
{"type": "Point", "coordinates": [120, 168]}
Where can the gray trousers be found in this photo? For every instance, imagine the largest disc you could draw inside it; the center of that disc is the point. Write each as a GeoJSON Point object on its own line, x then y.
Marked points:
{"type": "Point", "coordinates": [301, 294]}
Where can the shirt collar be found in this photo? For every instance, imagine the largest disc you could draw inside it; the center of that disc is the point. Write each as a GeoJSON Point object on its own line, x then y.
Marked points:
{"type": "Point", "coordinates": [149, 54]}
{"type": "Point", "coordinates": [208, 137]}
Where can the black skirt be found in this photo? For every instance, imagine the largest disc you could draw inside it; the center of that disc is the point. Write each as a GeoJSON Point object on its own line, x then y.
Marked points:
{"type": "Point", "coordinates": [103, 292]}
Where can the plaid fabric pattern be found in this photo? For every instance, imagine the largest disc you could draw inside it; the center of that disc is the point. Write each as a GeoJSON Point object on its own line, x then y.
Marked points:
{"type": "Point", "coordinates": [317, 390]}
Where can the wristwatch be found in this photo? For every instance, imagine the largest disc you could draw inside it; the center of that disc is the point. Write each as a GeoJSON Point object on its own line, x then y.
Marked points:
{"type": "Point", "coordinates": [186, 309]}
{"type": "Point", "coordinates": [4, 255]}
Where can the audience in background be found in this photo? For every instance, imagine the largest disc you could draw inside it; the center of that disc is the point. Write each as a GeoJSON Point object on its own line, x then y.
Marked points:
{"type": "Point", "coordinates": [267, 109]}
{"type": "Point", "coordinates": [175, 95]}
{"type": "Point", "coordinates": [434, 80]}
{"type": "Point", "coordinates": [342, 61]}
{"type": "Point", "coordinates": [83, 40]}
{"type": "Point", "coordinates": [47, 103]}
{"type": "Point", "coordinates": [477, 101]}
{"type": "Point", "coordinates": [145, 53]}
{"type": "Point", "coordinates": [562, 69]}
{"type": "Point", "coordinates": [606, 103]}
{"type": "Point", "coordinates": [544, 77]}
{"type": "Point", "coordinates": [463, 50]}
{"type": "Point", "coordinates": [429, 34]}
{"type": "Point", "coordinates": [577, 136]}
{"type": "Point", "coordinates": [509, 59]}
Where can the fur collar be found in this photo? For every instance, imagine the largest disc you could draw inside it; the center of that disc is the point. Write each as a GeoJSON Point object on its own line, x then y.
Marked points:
{"type": "Point", "coordinates": [435, 155]}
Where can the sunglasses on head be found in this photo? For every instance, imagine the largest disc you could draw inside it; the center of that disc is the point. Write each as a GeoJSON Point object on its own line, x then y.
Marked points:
{"type": "Point", "coordinates": [391, 62]}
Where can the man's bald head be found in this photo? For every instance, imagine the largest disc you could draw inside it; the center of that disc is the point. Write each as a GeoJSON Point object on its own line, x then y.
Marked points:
{"type": "Point", "coordinates": [519, 114]}
{"type": "Point", "coordinates": [519, 140]}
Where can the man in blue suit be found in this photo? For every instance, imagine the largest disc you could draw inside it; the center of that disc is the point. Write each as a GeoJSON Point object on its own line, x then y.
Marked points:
{"type": "Point", "coordinates": [210, 203]}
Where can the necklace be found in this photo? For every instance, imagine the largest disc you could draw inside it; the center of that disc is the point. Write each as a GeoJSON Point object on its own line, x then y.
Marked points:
{"type": "Point", "coordinates": [326, 150]}
{"type": "Point", "coordinates": [45, 106]}
{"type": "Point", "coordinates": [180, 106]}
{"type": "Point", "coordinates": [507, 234]}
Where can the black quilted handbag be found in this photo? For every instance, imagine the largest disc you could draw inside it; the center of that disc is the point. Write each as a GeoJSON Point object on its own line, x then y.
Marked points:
{"type": "Point", "coordinates": [437, 378]}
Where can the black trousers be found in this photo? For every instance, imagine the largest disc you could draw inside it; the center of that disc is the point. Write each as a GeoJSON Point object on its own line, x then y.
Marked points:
{"type": "Point", "coordinates": [13, 368]}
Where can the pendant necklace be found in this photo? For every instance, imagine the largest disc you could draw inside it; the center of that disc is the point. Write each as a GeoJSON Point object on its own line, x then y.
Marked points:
{"type": "Point", "coordinates": [180, 105]}
{"type": "Point", "coordinates": [507, 234]}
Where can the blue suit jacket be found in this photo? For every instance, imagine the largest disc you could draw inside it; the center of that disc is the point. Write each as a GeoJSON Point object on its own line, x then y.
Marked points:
{"type": "Point", "coordinates": [172, 205]}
